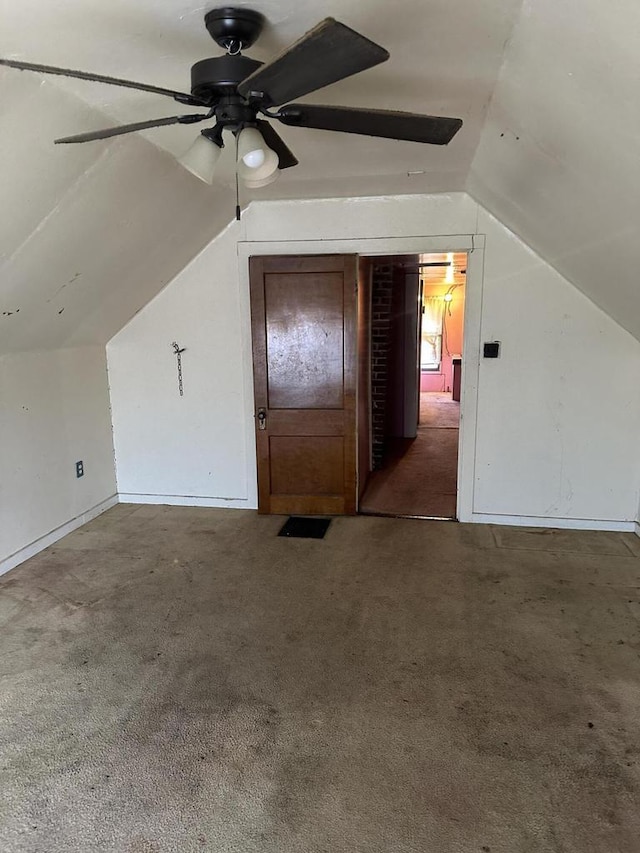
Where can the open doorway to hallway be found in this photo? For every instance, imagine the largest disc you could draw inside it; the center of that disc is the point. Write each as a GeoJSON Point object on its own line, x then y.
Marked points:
{"type": "Point", "coordinates": [417, 320]}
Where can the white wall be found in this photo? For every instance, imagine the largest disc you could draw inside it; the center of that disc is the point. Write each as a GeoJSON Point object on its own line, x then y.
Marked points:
{"type": "Point", "coordinates": [558, 413]}
{"type": "Point", "coordinates": [54, 411]}
{"type": "Point", "coordinates": [191, 446]}
{"type": "Point", "coordinates": [199, 448]}
{"type": "Point", "coordinates": [558, 410]}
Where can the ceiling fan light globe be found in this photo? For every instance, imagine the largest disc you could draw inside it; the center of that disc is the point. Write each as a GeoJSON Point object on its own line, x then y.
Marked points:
{"type": "Point", "coordinates": [201, 159]}
{"type": "Point", "coordinates": [252, 149]}
{"type": "Point", "coordinates": [257, 185]}
{"type": "Point", "coordinates": [254, 159]}
{"type": "Point", "coordinates": [268, 168]}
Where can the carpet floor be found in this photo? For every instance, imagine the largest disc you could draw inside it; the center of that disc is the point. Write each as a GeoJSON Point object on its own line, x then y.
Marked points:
{"type": "Point", "coordinates": [184, 680]}
{"type": "Point", "coordinates": [420, 476]}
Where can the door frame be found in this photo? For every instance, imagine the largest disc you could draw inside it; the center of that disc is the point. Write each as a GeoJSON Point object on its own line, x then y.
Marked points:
{"type": "Point", "coordinates": [473, 244]}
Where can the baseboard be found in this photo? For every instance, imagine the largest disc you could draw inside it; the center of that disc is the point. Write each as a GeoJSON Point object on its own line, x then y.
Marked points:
{"type": "Point", "coordinates": [185, 500]}
{"type": "Point", "coordinates": [54, 535]}
{"type": "Point", "coordinates": [239, 503]}
{"type": "Point", "coordinates": [558, 523]}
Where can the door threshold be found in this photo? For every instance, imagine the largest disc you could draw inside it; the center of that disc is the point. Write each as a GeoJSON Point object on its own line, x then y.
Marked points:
{"type": "Point", "coordinates": [406, 515]}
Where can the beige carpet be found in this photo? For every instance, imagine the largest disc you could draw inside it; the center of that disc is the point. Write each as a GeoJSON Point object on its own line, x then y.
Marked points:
{"type": "Point", "coordinates": [438, 410]}
{"type": "Point", "coordinates": [183, 680]}
{"type": "Point", "coordinates": [420, 476]}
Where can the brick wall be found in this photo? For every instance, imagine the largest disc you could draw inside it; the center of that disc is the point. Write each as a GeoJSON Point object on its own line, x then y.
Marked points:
{"type": "Point", "coordinates": [381, 292]}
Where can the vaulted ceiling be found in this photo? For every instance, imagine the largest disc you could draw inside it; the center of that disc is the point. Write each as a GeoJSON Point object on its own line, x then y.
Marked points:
{"type": "Point", "coordinates": [547, 92]}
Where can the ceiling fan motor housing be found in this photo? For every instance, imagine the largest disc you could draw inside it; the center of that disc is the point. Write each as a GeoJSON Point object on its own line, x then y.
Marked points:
{"type": "Point", "coordinates": [220, 75]}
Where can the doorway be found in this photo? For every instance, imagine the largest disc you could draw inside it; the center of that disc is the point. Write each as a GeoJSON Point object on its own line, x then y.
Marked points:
{"type": "Point", "coordinates": [417, 322]}
{"type": "Point", "coordinates": [357, 454]}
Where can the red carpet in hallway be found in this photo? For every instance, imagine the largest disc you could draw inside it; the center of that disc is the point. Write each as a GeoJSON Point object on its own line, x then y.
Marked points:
{"type": "Point", "coordinates": [420, 475]}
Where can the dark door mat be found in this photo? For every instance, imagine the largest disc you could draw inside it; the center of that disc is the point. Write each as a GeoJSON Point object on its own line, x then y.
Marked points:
{"type": "Point", "coordinates": [305, 528]}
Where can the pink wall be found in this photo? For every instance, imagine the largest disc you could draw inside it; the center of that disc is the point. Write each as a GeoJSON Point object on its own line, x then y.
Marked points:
{"type": "Point", "coordinates": [452, 342]}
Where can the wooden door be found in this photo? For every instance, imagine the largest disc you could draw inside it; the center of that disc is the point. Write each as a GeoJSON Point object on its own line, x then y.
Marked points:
{"type": "Point", "coordinates": [303, 314]}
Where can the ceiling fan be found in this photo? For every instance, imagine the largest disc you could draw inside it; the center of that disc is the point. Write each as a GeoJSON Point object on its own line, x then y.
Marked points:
{"type": "Point", "coordinates": [235, 90]}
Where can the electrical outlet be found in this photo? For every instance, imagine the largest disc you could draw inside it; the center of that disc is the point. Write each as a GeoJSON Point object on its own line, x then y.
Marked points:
{"type": "Point", "coordinates": [80, 469]}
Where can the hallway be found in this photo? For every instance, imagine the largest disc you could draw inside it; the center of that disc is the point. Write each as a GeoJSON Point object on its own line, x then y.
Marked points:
{"type": "Point", "coordinates": [419, 476]}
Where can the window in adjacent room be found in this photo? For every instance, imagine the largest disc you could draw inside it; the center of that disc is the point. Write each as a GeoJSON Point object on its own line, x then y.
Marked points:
{"type": "Point", "coordinates": [431, 349]}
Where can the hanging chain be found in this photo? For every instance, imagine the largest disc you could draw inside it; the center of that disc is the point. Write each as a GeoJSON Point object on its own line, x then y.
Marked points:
{"type": "Point", "coordinates": [238, 215]}
{"type": "Point", "coordinates": [178, 353]}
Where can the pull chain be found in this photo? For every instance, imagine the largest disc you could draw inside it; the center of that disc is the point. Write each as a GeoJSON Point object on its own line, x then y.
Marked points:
{"type": "Point", "coordinates": [237, 184]}
{"type": "Point", "coordinates": [178, 353]}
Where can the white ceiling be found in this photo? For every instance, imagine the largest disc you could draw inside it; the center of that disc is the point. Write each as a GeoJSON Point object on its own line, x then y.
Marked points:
{"type": "Point", "coordinates": [538, 85]}
{"type": "Point", "coordinates": [559, 156]}
{"type": "Point", "coordinates": [89, 233]}
{"type": "Point", "coordinates": [445, 57]}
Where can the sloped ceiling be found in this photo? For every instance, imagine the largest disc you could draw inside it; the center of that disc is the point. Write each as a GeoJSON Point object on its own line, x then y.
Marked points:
{"type": "Point", "coordinates": [91, 232]}
{"type": "Point", "coordinates": [559, 156]}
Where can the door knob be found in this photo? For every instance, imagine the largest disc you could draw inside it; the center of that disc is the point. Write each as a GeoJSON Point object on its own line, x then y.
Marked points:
{"type": "Point", "coordinates": [262, 418]}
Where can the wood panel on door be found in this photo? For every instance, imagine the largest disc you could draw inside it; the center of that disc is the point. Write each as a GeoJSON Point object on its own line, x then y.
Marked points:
{"type": "Point", "coordinates": [303, 311]}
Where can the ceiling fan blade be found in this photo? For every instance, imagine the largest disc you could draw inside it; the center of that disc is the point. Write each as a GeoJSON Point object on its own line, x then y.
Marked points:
{"type": "Point", "coordinates": [276, 143]}
{"type": "Point", "coordinates": [131, 128]}
{"type": "Point", "coordinates": [182, 97]}
{"type": "Point", "coordinates": [435, 130]}
{"type": "Point", "coordinates": [329, 52]}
